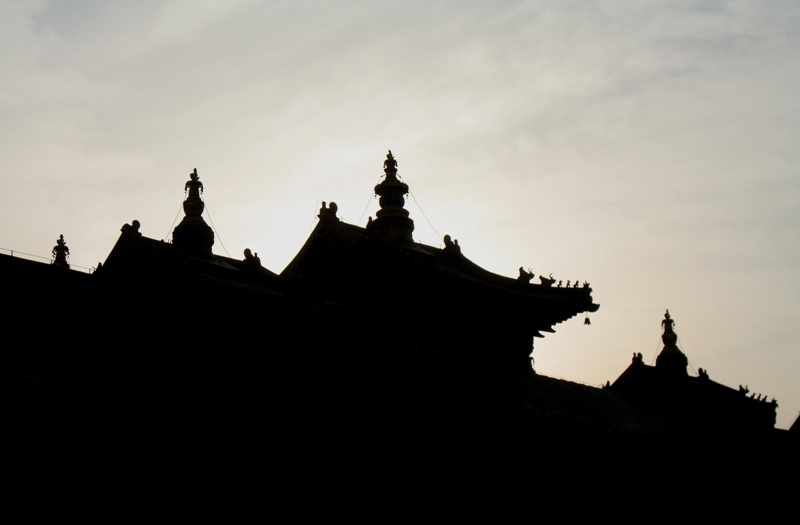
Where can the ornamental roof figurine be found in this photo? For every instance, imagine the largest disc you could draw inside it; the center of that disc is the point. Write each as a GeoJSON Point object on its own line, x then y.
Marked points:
{"type": "Point", "coordinates": [60, 253]}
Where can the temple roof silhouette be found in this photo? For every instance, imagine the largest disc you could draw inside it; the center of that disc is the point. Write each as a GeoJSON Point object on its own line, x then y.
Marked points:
{"type": "Point", "coordinates": [440, 294]}
{"type": "Point", "coordinates": [366, 342]}
{"type": "Point", "coordinates": [693, 400]}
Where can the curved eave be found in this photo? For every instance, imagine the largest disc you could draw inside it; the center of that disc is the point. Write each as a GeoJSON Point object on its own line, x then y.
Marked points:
{"type": "Point", "coordinates": [562, 303]}
{"type": "Point", "coordinates": [336, 249]}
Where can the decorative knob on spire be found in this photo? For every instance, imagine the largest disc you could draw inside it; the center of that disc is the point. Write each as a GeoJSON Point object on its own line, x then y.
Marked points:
{"type": "Point", "coordinates": [390, 166]}
{"type": "Point", "coordinates": [60, 253]}
{"type": "Point", "coordinates": [392, 220]}
{"type": "Point", "coordinates": [193, 206]}
{"type": "Point", "coordinates": [669, 337]}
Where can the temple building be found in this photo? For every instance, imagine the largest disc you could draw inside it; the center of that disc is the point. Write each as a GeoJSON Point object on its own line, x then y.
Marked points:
{"type": "Point", "coordinates": [695, 402]}
{"type": "Point", "coordinates": [439, 295]}
{"type": "Point", "coordinates": [368, 347]}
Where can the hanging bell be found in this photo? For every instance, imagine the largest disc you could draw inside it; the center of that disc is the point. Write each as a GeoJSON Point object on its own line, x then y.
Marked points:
{"type": "Point", "coordinates": [587, 320]}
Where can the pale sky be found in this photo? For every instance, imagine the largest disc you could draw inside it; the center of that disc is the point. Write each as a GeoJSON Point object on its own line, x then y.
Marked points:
{"type": "Point", "coordinates": [644, 147]}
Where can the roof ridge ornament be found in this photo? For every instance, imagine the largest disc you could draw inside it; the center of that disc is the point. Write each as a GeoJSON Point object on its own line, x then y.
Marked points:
{"type": "Point", "coordinates": [671, 360]}
{"type": "Point", "coordinates": [390, 166]}
{"type": "Point", "coordinates": [392, 221]}
{"type": "Point", "coordinates": [328, 213]}
{"type": "Point", "coordinates": [60, 253]}
{"type": "Point", "coordinates": [451, 245]}
{"type": "Point", "coordinates": [193, 206]}
{"type": "Point", "coordinates": [669, 337]}
{"type": "Point", "coordinates": [193, 236]}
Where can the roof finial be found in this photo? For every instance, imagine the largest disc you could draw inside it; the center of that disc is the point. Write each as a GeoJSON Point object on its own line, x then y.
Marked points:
{"type": "Point", "coordinates": [671, 359]}
{"type": "Point", "coordinates": [193, 206]}
{"type": "Point", "coordinates": [390, 167]}
{"type": "Point", "coordinates": [669, 337]}
{"type": "Point", "coordinates": [392, 219]}
{"type": "Point", "coordinates": [60, 253]}
{"type": "Point", "coordinates": [193, 235]}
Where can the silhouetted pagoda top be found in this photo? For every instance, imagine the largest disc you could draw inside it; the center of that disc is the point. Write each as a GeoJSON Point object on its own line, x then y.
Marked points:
{"type": "Point", "coordinates": [378, 270]}
{"type": "Point", "coordinates": [701, 400]}
{"type": "Point", "coordinates": [438, 291]}
{"type": "Point", "coordinates": [671, 360]}
{"type": "Point", "coordinates": [193, 235]}
{"type": "Point", "coordinates": [392, 220]}
{"type": "Point", "coordinates": [188, 260]}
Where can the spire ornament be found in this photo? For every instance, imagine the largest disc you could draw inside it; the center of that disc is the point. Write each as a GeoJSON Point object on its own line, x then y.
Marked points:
{"type": "Point", "coordinates": [392, 221]}
{"type": "Point", "coordinates": [193, 236]}
{"type": "Point", "coordinates": [669, 337]}
{"type": "Point", "coordinates": [193, 206]}
{"type": "Point", "coordinates": [671, 360]}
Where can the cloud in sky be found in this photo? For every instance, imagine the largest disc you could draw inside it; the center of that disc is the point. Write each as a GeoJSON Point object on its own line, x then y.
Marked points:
{"type": "Point", "coordinates": [647, 147]}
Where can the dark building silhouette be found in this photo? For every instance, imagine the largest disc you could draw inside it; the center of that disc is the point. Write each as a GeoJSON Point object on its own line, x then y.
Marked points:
{"type": "Point", "coordinates": [696, 403]}
{"type": "Point", "coordinates": [369, 352]}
